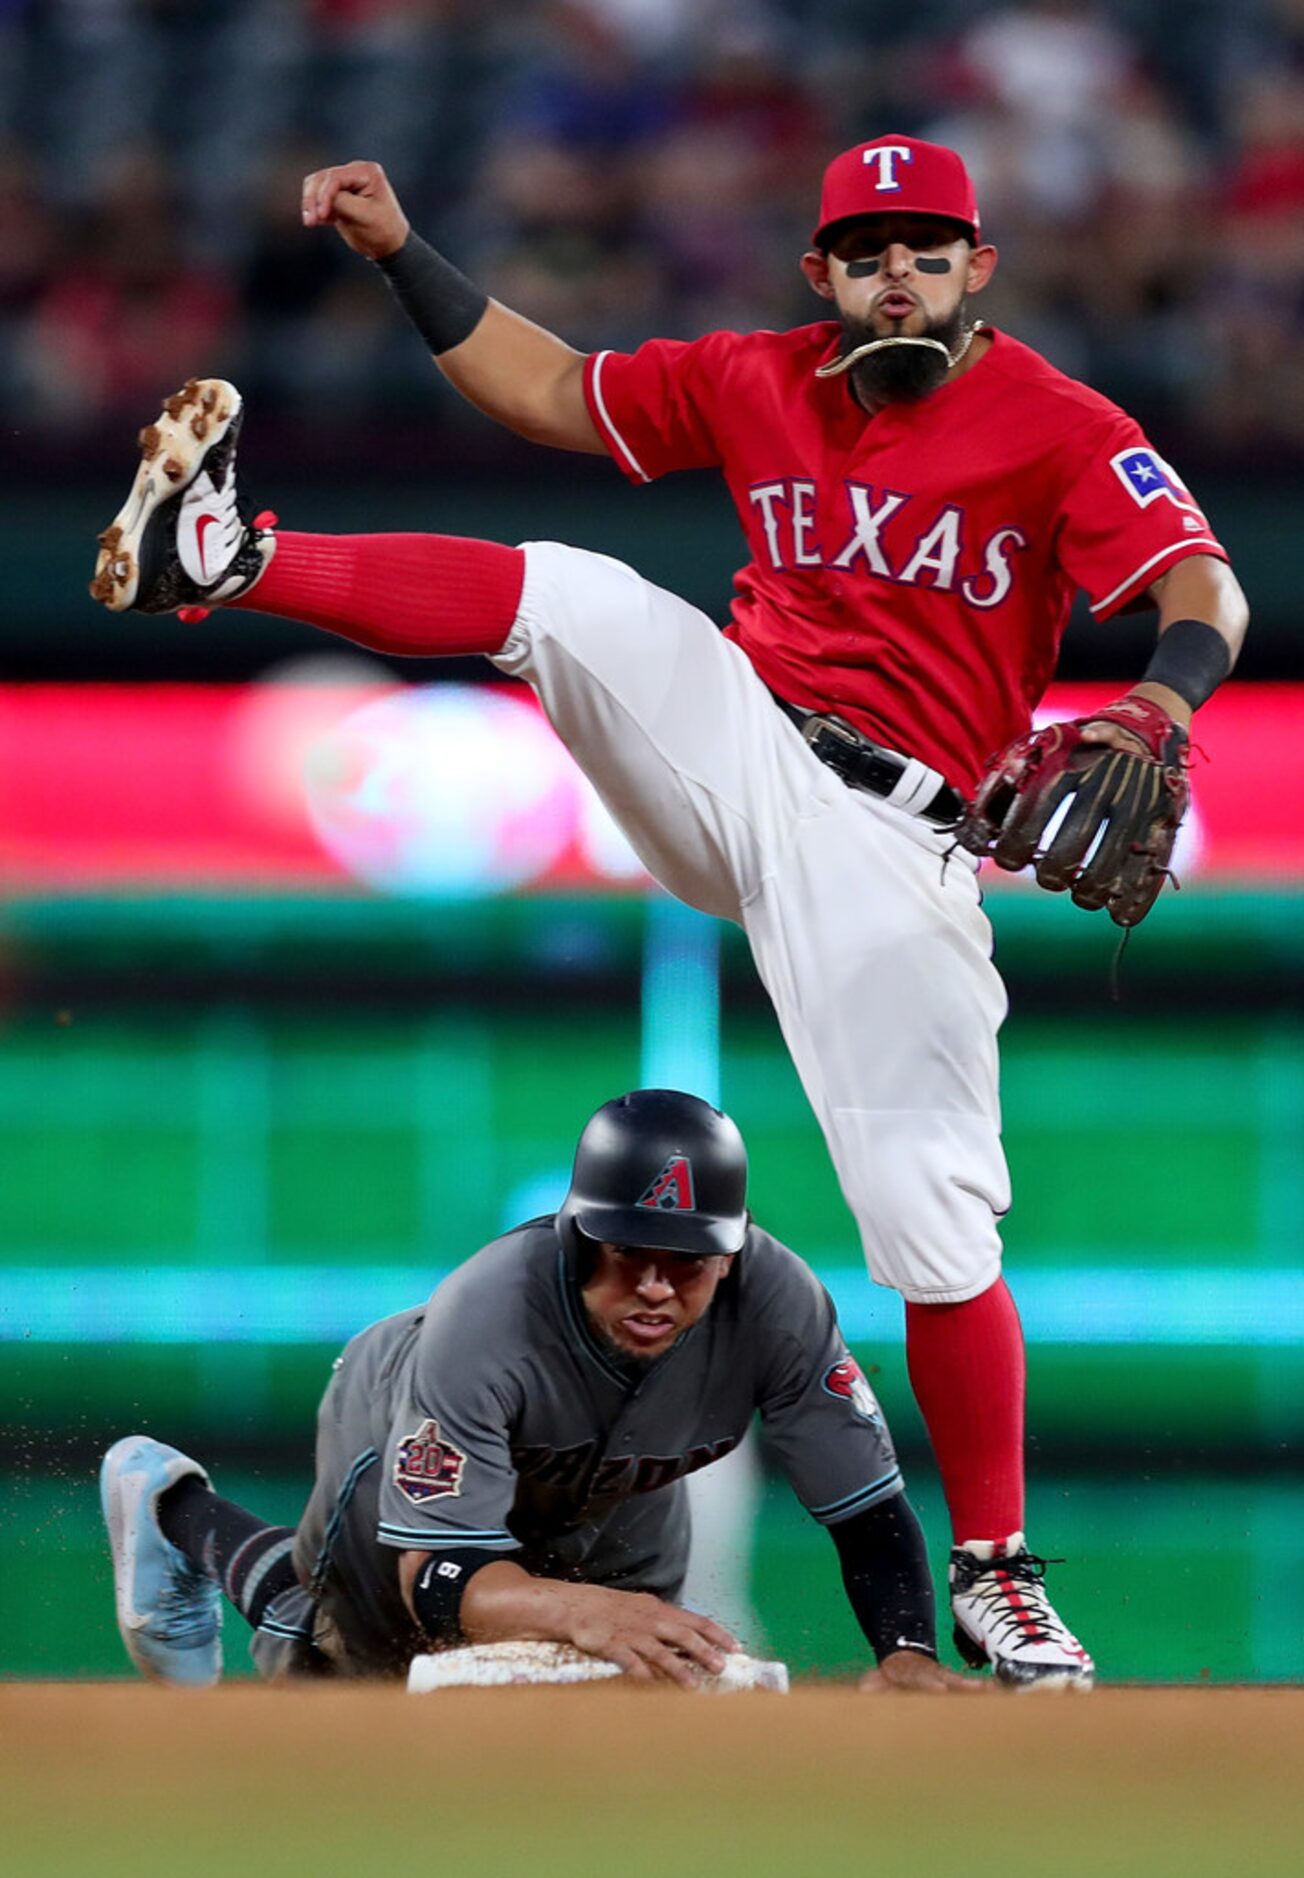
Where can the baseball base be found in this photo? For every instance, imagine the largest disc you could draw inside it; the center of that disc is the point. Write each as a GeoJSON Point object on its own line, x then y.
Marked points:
{"type": "Point", "coordinates": [500, 1665]}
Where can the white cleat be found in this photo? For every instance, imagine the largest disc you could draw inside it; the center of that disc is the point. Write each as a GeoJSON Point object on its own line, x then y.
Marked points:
{"type": "Point", "coordinates": [181, 538]}
{"type": "Point", "coordinates": [1004, 1618]}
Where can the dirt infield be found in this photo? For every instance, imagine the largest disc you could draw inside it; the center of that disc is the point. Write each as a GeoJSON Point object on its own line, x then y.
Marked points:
{"type": "Point", "coordinates": [121, 1778]}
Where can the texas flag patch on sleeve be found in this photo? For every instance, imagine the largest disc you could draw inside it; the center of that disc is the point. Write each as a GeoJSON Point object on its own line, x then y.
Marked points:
{"type": "Point", "coordinates": [1147, 478]}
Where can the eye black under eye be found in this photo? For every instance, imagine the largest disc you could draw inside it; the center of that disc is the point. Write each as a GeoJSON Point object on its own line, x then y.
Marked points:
{"type": "Point", "coordinates": [865, 267]}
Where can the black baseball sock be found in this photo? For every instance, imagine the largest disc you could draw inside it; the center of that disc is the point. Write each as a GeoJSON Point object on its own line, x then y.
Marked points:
{"type": "Point", "coordinates": [250, 1559]}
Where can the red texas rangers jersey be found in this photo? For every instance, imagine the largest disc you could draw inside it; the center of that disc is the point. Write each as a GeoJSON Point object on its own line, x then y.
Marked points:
{"type": "Point", "coordinates": [912, 571]}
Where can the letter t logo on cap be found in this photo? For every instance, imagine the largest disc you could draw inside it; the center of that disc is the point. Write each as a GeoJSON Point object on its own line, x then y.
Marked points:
{"type": "Point", "coordinates": [885, 155]}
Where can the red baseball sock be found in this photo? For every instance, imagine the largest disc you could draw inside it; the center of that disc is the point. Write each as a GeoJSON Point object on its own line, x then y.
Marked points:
{"type": "Point", "coordinates": [967, 1369]}
{"type": "Point", "coordinates": [421, 595]}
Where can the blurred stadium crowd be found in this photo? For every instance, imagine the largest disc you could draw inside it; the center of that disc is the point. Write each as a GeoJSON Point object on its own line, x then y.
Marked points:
{"type": "Point", "coordinates": [621, 167]}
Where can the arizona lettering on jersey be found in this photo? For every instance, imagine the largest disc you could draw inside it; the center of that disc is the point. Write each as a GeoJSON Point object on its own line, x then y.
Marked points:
{"type": "Point", "coordinates": [913, 571]}
{"type": "Point", "coordinates": [615, 1474]}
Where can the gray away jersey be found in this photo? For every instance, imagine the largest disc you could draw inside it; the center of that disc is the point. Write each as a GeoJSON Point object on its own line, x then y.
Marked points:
{"type": "Point", "coordinates": [493, 1418]}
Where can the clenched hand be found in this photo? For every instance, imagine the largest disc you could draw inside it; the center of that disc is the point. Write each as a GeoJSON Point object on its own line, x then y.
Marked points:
{"type": "Point", "coordinates": [357, 200]}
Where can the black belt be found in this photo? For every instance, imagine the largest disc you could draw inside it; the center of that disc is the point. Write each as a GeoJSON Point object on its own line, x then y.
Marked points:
{"type": "Point", "coordinates": [865, 765]}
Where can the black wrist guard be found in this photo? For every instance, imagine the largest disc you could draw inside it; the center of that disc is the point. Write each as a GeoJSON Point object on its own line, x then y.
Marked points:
{"type": "Point", "coordinates": [1192, 659]}
{"type": "Point", "coordinates": [443, 305]}
{"type": "Point", "coordinates": [437, 1593]}
{"type": "Point", "coordinates": [885, 1571]}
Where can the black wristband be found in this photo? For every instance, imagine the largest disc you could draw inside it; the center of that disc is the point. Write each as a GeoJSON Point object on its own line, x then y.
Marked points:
{"type": "Point", "coordinates": [437, 1592]}
{"type": "Point", "coordinates": [1192, 659]}
{"type": "Point", "coordinates": [885, 1572]}
{"type": "Point", "coordinates": [443, 305]}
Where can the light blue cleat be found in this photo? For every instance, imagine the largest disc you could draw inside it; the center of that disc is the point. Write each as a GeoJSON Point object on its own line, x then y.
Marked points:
{"type": "Point", "coordinates": [169, 1610]}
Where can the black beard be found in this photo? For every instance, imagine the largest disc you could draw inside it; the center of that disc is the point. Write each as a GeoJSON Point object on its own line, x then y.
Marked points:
{"type": "Point", "coordinates": [900, 374]}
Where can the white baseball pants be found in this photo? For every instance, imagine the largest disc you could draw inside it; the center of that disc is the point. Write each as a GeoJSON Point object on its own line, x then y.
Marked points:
{"type": "Point", "coordinates": [876, 954]}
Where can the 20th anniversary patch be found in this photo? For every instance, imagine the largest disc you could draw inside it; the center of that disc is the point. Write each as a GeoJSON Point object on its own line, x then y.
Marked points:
{"type": "Point", "coordinates": [426, 1466]}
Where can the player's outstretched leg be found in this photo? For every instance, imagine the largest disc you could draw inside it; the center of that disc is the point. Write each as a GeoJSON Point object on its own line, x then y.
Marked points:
{"type": "Point", "coordinates": [181, 538]}
{"type": "Point", "coordinates": [168, 1607]}
{"type": "Point", "coordinates": [183, 543]}
{"type": "Point", "coordinates": [1003, 1617]}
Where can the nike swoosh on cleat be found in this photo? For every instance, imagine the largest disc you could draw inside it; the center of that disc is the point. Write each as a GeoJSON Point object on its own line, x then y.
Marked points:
{"type": "Point", "coordinates": [202, 526]}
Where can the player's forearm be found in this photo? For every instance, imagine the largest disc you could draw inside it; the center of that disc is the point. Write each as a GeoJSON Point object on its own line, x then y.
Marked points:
{"type": "Point", "coordinates": [504, 1602]}
{"type": "Point", "coordinates": [514, 371]}
{"type": "Point", "coordinates": [1203, 615]}
{"type": "Point", "coordinates": [885, 1573]}
{"type": "Point", "coordinates": [525, 378]}
{"type": "Point", "coordinates": [498, 1602]}
{"type": "Point", "coordinates": [1204, 588]}
{"type": "Point", "coordinates": [638, 1631]}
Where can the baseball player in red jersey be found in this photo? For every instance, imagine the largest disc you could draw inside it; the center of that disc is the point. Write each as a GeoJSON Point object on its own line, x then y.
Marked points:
{"type": "Point", "coordinates": [921, 497]}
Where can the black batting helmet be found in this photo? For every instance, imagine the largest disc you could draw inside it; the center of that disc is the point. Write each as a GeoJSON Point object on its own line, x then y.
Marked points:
{"type": "Point", "coordinates": [659, 1168]}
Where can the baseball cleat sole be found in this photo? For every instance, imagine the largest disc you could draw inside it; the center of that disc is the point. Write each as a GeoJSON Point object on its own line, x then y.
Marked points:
{"type": "Point", "coordinates": [1022, 1679]}
{"type": "Point", "coordinates": [172, 452]}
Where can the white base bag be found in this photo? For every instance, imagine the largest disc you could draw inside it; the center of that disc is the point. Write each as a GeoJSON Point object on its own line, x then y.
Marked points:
{"type": "Point", "coordinates": [500, 1665]}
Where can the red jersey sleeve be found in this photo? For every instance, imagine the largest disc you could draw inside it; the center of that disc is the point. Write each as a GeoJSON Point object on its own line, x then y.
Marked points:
{"type": "Point", "coordinates": [654, 408]}
{"type": "Point", "coordinates": [1126, 519]}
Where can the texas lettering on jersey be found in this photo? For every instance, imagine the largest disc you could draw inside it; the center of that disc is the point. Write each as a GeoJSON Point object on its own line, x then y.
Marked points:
{"type": "Point", "coordinates": [928, 546]}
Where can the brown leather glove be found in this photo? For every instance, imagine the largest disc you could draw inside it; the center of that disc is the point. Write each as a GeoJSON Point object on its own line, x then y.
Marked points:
{"type": "Point", "coordinates": [1121, 809]}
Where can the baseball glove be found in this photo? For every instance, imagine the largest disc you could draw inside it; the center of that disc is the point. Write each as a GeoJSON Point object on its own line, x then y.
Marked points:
{"type": "Point", "coordinates": [1117, 812]}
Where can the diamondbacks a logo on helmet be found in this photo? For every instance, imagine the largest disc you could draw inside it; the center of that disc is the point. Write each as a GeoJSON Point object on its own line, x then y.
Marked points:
{"type": "Point", "coordinates": [672, 1189]}
{"type": "Point", "coordinates": [847, 1379]}
{"type": "Point", "coordinates": [426, 1467]}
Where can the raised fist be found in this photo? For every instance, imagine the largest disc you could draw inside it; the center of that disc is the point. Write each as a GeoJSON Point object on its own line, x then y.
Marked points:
{"type": "Point", "coordinates": [357, 200]}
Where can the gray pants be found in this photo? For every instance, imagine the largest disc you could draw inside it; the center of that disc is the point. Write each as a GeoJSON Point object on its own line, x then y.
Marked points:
{"type": "Point", "coordinates": [282, 1647]}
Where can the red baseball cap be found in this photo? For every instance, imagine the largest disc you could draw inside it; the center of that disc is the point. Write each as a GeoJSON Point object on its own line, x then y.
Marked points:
{"type": "Point", "coordinates": [896, 176]}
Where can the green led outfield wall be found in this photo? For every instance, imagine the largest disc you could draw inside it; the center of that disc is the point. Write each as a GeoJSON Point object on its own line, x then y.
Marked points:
{"type": "Point", "coordinates": [208, 1185]}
